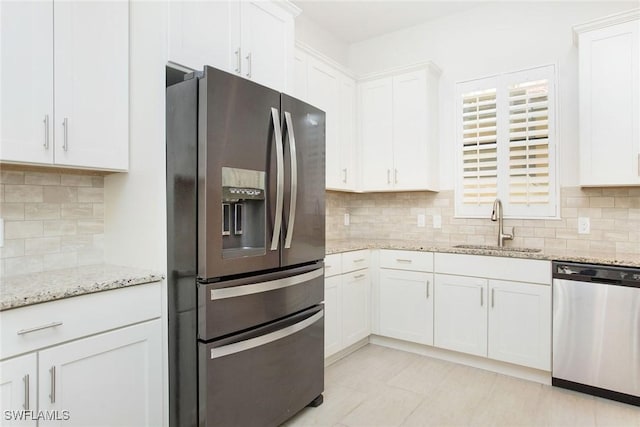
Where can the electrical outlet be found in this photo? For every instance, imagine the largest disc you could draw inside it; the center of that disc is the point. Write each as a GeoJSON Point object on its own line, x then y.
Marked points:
{"type": "Point", "coordinates": [437, 221]}
{"type": "Point", "coordinates": [422, 220]}
{"type": "Point", "coordinates": [584, 225]}
{"type": "Point", "coordinates": [347, 219]}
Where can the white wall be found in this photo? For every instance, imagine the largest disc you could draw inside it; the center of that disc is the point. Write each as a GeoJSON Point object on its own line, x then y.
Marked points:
{"type": "Point", "coordinates": [320, 39]}
{"type": "Point", "coordinates": [488, 39]}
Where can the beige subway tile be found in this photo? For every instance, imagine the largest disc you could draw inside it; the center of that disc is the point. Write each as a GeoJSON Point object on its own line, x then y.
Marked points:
{"type": "Point", "coordinates": [601, 202]}
{"type": "Point", "coordinates": [60, 227]}
{"type": "Point", "coordinates": [1, 192]}
{"type": "Point", "coordinates": [534, 242]}
{"type": "Point", "coordinates": [42, 245]}
{"type": "Point", "coordinates": [23, 193]}
{"type": "Point", "coordinates": [634, 202]}
{"type": "Point", "coordinates": [555, 223]}
{"type": "Point", "coordinates": [76, 243]}
{"type": "Point", "coordinates": [577, 202]}
{"type": "Point", "coordinates": [622, 202]}
{"type": "Point", "coordinates": [60, 261]}
{"type": "Point", "coordinates": [533, 223]}
{"type": "Point", "coordinates": [23, 265]}
{"type": "Point", "coordinates": [12, 211]}
{"type": "Point", "coordinates": [591, 191]}
{"type": "Point", "coordinates": [90, 195]}
{"type": "Point", "coordinates": [41, 178]}
{"type": "Point", "coordinates": [572, 224]}
{"type": "Point", "coordinates": [90, 226]}
{"type": "Point", "coordinates": [77, 210]}
{"type": "Point", "coordinates": [42, 211]}
{"type": "Point", "coordinates": [594, 235]}
{"type": "Point", "coordinates": [602, 247]}
{"type": "Point", "coordinates": [77, 180]}
{"type": "Point", "coordinates": [442, 203]}
{"type": "Point", "coordinates": [22, 229]}
{"type": "Point", "coordinates": [555, 244]}
{"type": "Point", "coordinates": [615, 213]}
{"type": "Point", "coordinates": [473, 239]}
{"type": "Point", "coordinates": [616, 236]}
{"type": "Point", "coordinates": [569, 212]}
{"type": "Point", "coordinates": [571, 192]}
{"type": "Point", "coordinates": [627, 224]}
{"type": "Point", "coordinates": [582, 245]}
{"type": "Point", "coordinates": [524, 231]}
{"type": "Point", "coordinates": [60, 194]}
{"type": "Point", "coordinates": [628, 247]}
{"type": "Point", "coordinates": [615, 192]}
{"type": "Point", "coordinates": [12, 248]}
{"type": "Point", "coordinates": [544, 232]}
{"type": "Point", "coordinates": [634, 192]}
{"type": "Point", "coordinates": [602, 224]}
{"type": "Point", "coordinates": [11, 177]}
{"type": "Point", "coordinates": [634, 213]}
{"type": "Point", "coordinates": [590, 212]}
{"type": "Point", "coordinates": [566, 233]}
{"type": "Point", "coordinates": [97, 181]}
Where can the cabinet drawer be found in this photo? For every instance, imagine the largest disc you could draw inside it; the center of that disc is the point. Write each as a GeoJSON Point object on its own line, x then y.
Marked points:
{"type": "Point", "coordinates": [332, 265]}
{"type": "Point", "coordinates": [42, 325]}
{"type": "Point", "coordinates": [355, 260]}
{"type": "Point", "coordinates": [406, 260]}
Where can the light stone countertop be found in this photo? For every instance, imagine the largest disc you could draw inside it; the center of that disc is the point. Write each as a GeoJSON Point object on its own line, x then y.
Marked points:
{"type": "Point", "coordinates": [338, 246]}
{"type": "Point", "coordinates": [27, 289]}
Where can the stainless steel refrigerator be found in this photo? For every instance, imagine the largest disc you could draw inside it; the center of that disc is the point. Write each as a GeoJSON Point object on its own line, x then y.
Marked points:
{"type": "Point", "coordinates": [246, 227]}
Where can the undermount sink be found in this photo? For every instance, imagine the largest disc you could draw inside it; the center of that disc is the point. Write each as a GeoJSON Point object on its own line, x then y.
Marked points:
{"type": "Point", "coordinates": [497, 248]}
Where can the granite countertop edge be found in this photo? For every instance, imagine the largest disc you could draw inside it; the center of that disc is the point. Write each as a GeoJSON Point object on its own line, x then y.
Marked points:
{"type": "Point", "coordinates": [35, 288]}
{"type": "Point", "coordinates": [346, 246]}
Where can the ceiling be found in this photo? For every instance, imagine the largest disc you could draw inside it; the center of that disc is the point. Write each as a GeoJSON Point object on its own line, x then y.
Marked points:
{"type": "Point", "coordinates": [354, 21]}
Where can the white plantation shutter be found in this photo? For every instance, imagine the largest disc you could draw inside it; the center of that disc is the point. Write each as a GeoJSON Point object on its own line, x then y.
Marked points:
{"type": "Point", "coordinates": [506, 137]}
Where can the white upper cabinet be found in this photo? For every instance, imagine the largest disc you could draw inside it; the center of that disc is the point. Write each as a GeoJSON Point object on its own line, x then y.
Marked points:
{"type": "Point", "coordinates": [251, 39]}
{"type": "Point", "coordinates": [26, 81]}
{"type": "Point", "coordinates": [78, 51]}
{"type": "Point", "coordinates": [319, 82]}
{"type": "Point", "coordinates": [398, 130]}
{"type": "Point", "coordinates": [609, 96]}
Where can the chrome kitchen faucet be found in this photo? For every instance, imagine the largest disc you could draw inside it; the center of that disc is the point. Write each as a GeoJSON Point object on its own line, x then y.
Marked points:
{"type": "Point", "coordinates": [496, 215]}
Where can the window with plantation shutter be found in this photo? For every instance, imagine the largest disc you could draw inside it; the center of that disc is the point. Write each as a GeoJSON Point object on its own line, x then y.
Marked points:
{"type": "Point", "coordinates": [506, 144]}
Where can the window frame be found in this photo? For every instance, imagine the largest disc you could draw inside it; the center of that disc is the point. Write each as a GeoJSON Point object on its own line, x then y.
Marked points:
{"type": "Point", "coordinates": [500, 82]}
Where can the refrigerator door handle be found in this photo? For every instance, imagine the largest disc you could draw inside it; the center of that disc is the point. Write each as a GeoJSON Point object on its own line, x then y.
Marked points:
{"type": "Point", "coordinates": [275, 115]}
{"type": "Point", "coordinates": [294, 179]}
{"type": "Point", "coordinates": [265, 339]}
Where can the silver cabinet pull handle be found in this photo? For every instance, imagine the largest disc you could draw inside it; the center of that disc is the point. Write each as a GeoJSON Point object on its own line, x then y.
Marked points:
{"type": "Point", "coordinates": [388, 176]}
{"type": "Point", "coordinates": [275, 116]}
{"type": "Point", "coordinates": [46, 131]}
{"type": "Point", "coordinates": [481, 297]}
{"type": "Point", "coordinates": [249, 65]}
{"type": "Point", "coordinates": [358, 260]}
{"type": "Point", "coordinates": [65, 144]}
{"type": "Point", "coordinates": [39, 328]}
{"type": "Point", "coordinates": [428, 283]}
{"type": "Point", "coordinates": [403, 260]}
{"type": "Point", "coordinates": [344, 172]}
{"type": "Point", "coordinates": [52, 396]}
{"type": "Point", "coordinates": [238, 61]}
{"type": "Point", "coordinates": [358, 276]}
{"type": "Point", "coordinates": [26, 392]}
{"type": "Point", "coordinates": [395, 175]}
{"type": "Point", "coordinates": [493, 297]}
{"type": "Point", "coordinates": [638, 164]}
{"type": "Point", "coordinates": [293, 205]}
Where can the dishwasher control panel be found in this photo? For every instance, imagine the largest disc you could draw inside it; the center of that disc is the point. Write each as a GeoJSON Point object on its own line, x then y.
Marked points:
{"type": "Point", "coordinates": [615, 275]}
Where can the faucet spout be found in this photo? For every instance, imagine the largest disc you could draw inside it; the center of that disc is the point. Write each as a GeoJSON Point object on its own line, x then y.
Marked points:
{"type": "Point", "coordinates": [496, 215]}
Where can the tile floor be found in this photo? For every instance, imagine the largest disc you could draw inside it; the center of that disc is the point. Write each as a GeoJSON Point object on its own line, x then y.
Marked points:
{"type": "Point", "coordinates": [378, 386]}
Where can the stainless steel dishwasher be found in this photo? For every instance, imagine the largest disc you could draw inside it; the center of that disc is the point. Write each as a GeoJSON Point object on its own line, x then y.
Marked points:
{"type": "Point", "coordinates": [596, 330]}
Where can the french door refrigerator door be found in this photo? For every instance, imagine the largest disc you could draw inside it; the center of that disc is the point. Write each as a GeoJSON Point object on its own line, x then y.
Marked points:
{"type": "Point", "coordinates": [240, 176]}
{"type": "Point", "coordinates": [303, 133]}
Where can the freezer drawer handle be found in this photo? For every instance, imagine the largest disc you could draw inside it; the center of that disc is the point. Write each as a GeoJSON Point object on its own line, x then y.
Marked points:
{"type": "Point", "coordinates": [275, 115]}
{"type": "Point", "coordinates": [294, 180]}
{"type": "Point", "coordinates": [238, 291]}
{"type": "Point", "coordinates": [265, 339]}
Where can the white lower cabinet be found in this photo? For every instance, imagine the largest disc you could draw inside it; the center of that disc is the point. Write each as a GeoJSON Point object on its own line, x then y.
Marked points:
{"type": "Point", "coordinates": [406, 305]}
{"type": "Point", "coordinates": [109, 377]}
{"type": "Point", "coordinates": [347, 300]}
{"type": "Point", "coordinates": [461, 314]}
{"type": "Point", "coordinates": [18, 387]}
{"type": "Point", "coordinates": [520, 323]}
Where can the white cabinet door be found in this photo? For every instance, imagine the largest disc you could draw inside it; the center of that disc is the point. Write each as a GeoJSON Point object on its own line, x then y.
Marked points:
{"type": "Point", "coordinates": [410, 149]}
{"type": "Point", "coordinates": [267, 41]}
{"type": "Point", "coordinates": [205, 33]}
{"type": "Point", "coordinates": [300, 61]}
{"type": "Point", "coordinates": [520, 323]}
{"type": "Point", "coordinates": [460, 319]}
{"type": "Point", "coordinates": [323, 91]}
{"type": "Point", "coordinates": [406, 305]}
{"type": "Point", "coordinates": [376, 109]}
{"type": "Point", "coordinates": [332, 315]}
{"type": "Point", "coordinates": [26, 81]}
{"type": "Point", "coordinates": [91, 45]}
{"type": "Point", "coordinates": [610, 105]}
{"type": "Point", "coordinates": [348, 172]}
{"type": "Point", "coordinates": [111, 379]}
{"type": "Point", "coordinates": [18, 387]}
{"type": "Point", "coordinates": [355, 307]}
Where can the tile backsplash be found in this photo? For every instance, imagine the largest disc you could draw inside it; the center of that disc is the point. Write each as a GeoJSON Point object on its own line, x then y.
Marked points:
{"type": "Point", "coordinates": [614, 216]}
{"type": "Point", "coordinates": [52, 219]}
